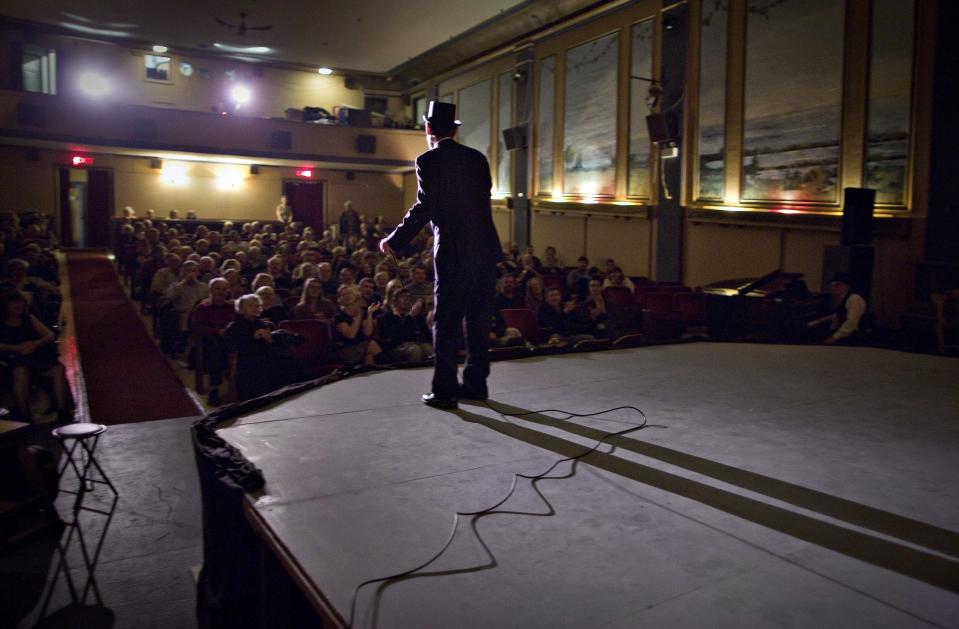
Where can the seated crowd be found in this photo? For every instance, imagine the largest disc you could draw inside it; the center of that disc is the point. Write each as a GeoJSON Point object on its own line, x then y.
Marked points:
{"type": "Point", "coordinates": [199, 284]}
{"type": "Point", "coordinates": [30, 307]}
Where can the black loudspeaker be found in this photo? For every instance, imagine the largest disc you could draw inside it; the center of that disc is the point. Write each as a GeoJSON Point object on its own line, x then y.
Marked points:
{"type": "Point", "coordinates": [254, 169]}
{"type": "Point", "coordinates": [857, 205]}
{"type": "Point", "coordinates": [662, 126]}
{"type": "Point", "coordinates": [281, 140]}
{"type": "Point", "coordinates": [514, 138]}
{"type": "Point", "coordinates": [31, 115]}
{"type": "Point", "coordinates": [31, 155]}
{"type": "Point", "coordinates": [857, 261]}
{"type": "Point", "coordinates": [350, 175]}
{"type": "Point", "coordinates": [366, 143]}
{"type": "Point", "coordinates": [156, 162]}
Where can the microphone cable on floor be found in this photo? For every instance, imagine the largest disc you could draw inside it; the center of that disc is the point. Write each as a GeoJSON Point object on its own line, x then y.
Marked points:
{"type": "Point", "coordinates": [474, 515]}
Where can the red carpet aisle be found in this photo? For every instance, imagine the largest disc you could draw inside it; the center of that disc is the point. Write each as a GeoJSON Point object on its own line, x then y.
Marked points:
{"type": "Point", "coordinates": [127, 378]}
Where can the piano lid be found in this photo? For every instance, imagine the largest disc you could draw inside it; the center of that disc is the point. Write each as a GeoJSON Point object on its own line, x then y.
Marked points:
{"type": "Point", "coordinates": [771, 284]}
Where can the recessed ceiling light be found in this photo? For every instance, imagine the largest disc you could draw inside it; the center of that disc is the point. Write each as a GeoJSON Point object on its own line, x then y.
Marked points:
{"type": "Point", "coordinates": [253, 50]}
{"type": "Point", "coordinates": [160, 49]}
{"type": "Point", "coordinates": [325, 71]}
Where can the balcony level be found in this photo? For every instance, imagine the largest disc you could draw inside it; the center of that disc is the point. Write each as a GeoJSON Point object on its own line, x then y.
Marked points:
{"type": "Point", "coordinates": [59, 122]}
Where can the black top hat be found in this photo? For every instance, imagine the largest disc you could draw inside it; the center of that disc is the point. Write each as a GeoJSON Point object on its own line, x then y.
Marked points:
{"type": "Point", "coordinates": [441, 114]}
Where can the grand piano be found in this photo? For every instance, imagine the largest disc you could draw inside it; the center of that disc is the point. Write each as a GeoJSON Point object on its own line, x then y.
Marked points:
{"type": "Point", "coordinates": [775, 307]}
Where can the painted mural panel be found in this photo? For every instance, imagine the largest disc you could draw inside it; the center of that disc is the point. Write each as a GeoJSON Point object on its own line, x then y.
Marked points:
{"type": "Point", "coordinates": [712, 100]}
{"type": "Point", "coordinates": [504, 120]}
{"type": "Point", "coordinates": [589, 127]}
{"type": "Point", "coordinates": [641, 64]}
{"type": "Point", "coordinates": [793, 100]}
{"type": "Point", "coordinates": [544, 125]}
{"type": "Point", "coordinates": [890, 82]}
{"type": "Point", "coordinates": [475, 111]}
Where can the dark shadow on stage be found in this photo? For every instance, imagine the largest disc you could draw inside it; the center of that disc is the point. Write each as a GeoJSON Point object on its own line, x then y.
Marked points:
{"type": "Point", "coordinates": [900, 527]}
{"type": "Point", "coordinates": [924, 566]}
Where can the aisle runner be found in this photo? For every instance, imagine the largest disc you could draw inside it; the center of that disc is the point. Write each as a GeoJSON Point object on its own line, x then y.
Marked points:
{"type": "Point", "coordinates": [127, 378]}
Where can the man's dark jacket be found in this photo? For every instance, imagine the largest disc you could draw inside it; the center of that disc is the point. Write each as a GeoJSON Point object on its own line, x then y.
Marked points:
{"type": "Point", "coordinates": [454, 193]}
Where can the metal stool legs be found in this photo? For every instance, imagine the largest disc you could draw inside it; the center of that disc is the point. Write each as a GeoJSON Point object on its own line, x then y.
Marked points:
{"type": "Point", "coordinates": [85, 437]}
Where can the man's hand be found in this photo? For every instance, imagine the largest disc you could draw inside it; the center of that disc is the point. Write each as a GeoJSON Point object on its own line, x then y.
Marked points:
{"type": "Point", "coordinates": [264, 335]}
{"type": "Point", "coordinates": [386, 248]}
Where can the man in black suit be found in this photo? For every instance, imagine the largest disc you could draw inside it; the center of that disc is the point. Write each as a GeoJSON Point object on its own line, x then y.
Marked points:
{"type": "Point", "coordinates": [454, 195]}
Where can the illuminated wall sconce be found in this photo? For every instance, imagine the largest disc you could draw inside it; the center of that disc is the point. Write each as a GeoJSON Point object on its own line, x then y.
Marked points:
{"type": "Point", "coordinates": [173, 174]}
{"type": "Point", "coordinates": [229, 179]}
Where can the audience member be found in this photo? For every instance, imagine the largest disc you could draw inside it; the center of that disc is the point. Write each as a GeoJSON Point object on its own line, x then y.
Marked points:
{"type": "Point", "coordinates": [353, 329]}
{"type": "Point", "coordinates": [403, 331]}
{"type": "Point", "coordinates": [616, 278]}
{"type": "Point", "coordinates": [210, 318]}
{"type": "Point", "coordinates": [28, 348]}
{"type": "Point", "coordinates": [273, 310]}
{"type": "Point", "coordinates": [263, 364]}
{"type": "Point", "coordinates": [577, 281]}
{"type": "Point", "coordinates": [313, 304]}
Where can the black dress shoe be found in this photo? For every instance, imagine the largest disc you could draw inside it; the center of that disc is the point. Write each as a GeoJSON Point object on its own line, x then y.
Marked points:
{"type": "Point", "coordinates": [469, 393]}
{"type": "Point", "coordinates": [438, 401]}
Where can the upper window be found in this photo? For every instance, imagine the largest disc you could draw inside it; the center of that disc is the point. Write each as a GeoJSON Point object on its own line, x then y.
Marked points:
{"type": "Point", "coordinates": [157, 67]}
{"type": "Point", "coordinates": [39, 70]}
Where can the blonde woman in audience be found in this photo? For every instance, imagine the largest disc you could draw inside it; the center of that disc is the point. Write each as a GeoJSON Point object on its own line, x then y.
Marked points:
{"type": "Point", "coordinates": [262, 279]}
{"type": "Point", "coordinates": [313, 304]}
{"type": "Point", "coordinates": [616, 278]}
{"type": "Point", "coordinates": [353, 329]}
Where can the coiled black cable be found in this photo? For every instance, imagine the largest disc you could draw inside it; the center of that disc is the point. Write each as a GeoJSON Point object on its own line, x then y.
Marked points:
{"type": "Point", "coordinates": [534, 479]}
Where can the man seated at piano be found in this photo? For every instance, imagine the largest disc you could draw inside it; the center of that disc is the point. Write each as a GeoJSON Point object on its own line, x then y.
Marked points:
{"type": "Point", "coordinates": [847, 316]}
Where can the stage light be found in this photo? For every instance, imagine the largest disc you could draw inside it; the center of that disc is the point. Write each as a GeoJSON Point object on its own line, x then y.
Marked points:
{"type": "Point", "coordinates": [93, 84]}
{"type": "Point", "coordinates": [306, 173]}
{"type": "Point", "coordinates": [240, 95]}
{"type": "Point", "coordinates": [325, 71]}
{"type": "Point", "coordinates": [81, 160]}
{"type": "Point", "coordinates": [160, 49]}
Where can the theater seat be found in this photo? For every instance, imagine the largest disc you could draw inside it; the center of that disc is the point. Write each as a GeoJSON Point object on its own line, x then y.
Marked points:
{"type": "Point", "coordinates": [660, 321]}
{"type": "Point", "coordinates": [525, 321]}
{"type": "Point", "coordinates": [317, 354]}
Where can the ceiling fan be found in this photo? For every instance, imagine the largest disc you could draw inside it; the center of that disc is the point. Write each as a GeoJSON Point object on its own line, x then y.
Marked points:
{"type": "Point", "coordinates": [242, 28]}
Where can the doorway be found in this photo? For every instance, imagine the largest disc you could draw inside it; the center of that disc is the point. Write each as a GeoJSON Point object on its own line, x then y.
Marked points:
{"type": "Point", "coordinates": [86, 206]}
{"type": "Point", "coordinates": [306, 199]}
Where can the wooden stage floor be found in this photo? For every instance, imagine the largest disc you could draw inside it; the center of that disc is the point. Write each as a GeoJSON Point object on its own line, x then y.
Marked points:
{"type": "Point", "coordinates": [792, 486]}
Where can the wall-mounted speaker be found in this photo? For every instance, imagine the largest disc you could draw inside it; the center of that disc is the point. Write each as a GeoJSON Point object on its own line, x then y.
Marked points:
{"type": "Point", "coordinates": [350, 175]}
{"type": "Point", "coordinates": [366, 143]}
{"type": "Point", "coordinates": [31, 155]}
{"type": "Point", "coordinates": [31, 115]}
{"type": "Point", "coordinates": [857, 206]}
{"type": "Point", "coordinates": [281, 140]}
{"type": "Point", "coordinates": [156, 162]}
{"type": "Point", "coordinates": [514, 138]}
{"type": "Point", "coordinates": [254, 169]}
{"type": "Point", "coordinates": [663, 126]}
